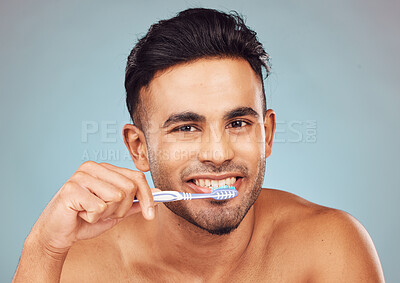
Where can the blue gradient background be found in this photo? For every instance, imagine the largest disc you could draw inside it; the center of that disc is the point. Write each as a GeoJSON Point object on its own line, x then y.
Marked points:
{"type": "Point", "coordinates": [335, 63]}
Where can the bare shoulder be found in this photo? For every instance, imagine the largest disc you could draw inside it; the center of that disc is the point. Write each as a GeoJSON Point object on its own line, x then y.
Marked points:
{"type": "Point", "coordinates": [343, 249]}
{"type": "Point", "coordinates": [334, 244]}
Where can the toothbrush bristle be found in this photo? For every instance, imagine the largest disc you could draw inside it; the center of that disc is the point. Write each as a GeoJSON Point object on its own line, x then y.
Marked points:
{"type": "Point", "coordinates": [224, 192]}
{"type": "Point", "coordinates": [225, 187]}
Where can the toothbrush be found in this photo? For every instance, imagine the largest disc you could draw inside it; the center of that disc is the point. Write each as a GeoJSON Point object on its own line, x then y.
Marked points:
{"type": "Point", "coordinates": [219, 193]}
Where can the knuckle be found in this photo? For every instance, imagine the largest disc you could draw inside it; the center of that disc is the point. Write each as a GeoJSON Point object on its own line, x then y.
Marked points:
{"type": "Point", "coordinates": [88, 164]}
{"type": "Point", "coordinates": [80, 174]}
{"type": "Point", "coordinates": [69, 187]}
{"type": "Point", "coordinates": [119, 195]}
{"type": "Point", "coordinates": [101, 207]}
{"type": "Point", "coordinates": [130, 187]}
{"type": "Point", "coordinates": [140, 175]}
{"type": "Point", "coordinates": [119, 214]}
{"type": "Point", "coordinates": [92, 219]}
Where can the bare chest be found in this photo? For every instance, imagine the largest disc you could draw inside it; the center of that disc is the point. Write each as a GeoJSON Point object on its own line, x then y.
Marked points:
{"type": "Point", "coordinates": [279, 269]}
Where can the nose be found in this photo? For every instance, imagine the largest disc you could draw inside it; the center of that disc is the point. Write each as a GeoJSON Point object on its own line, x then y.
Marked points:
{"type": "Point", "coordinates": [215, 148]}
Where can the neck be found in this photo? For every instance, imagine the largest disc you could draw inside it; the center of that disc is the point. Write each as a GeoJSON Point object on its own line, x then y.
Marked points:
{"type": "Point", "coordinates": [190, 249]}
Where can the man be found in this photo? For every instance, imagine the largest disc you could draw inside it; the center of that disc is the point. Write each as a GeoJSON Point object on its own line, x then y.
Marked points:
{"type": "Point", "coordinates": [196, 97]}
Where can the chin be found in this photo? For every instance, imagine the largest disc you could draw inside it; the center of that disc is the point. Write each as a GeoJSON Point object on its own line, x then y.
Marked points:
{"type": "Point", "coordinates": [219, 231]}
{"type": "Point", "coordinates": [215, 217]}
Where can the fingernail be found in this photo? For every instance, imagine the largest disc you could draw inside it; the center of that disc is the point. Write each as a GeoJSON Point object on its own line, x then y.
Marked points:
{"type": "Point", "coordinates": [150, 212]}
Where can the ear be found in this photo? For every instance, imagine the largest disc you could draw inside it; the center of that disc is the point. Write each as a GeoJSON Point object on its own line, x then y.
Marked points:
{"type": "Point", "coordinates": [269, 126]}
{"type": "Point", "coordinates": [135, 141]}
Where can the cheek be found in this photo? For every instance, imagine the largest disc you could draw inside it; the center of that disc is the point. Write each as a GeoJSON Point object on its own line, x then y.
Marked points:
{"type": "Point", "coordinates": [249, 151]}
{"type": "Point", "coordinates": [250, 144]}
{"type": "Point", "coordinates": [176, 152]}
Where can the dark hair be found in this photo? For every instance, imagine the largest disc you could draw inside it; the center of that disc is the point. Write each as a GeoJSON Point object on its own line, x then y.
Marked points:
{"type": "Point", "coordinates": [193, 34]}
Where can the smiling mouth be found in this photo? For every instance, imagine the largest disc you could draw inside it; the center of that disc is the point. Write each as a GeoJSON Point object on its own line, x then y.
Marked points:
{"type": "Point", "coordinates": [206, 184]}
{"type": "Point", "coordinates": [209, 183]}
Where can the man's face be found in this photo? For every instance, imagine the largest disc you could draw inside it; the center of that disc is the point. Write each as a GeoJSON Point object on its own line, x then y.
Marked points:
{"type": "Point", "coordinates": [206, 127]}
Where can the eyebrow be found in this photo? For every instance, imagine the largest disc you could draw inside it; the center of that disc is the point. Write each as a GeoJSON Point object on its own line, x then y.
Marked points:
{"type": "Point", "coordinates": [189, 116]}
{"type": "Point", "coordinates": [186, 116]}
{"type": "Point", "coordinates": [240, 111]}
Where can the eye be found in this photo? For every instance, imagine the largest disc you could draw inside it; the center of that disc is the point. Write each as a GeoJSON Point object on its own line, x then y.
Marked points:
{"type": "Point", "coordinates": [186, 128]}
{"type": "Point", "coordinates": [238, 124]}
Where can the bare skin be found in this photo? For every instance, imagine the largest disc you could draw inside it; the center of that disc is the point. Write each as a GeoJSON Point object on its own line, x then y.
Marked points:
{"type": "Point", "coordinates": [292, 240]}
{"type": "Point", "coordinates": [91, 232]}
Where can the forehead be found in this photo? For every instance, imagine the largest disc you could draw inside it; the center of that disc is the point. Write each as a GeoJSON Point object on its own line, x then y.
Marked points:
{"type": "Point", "coordinates": [206, 86]}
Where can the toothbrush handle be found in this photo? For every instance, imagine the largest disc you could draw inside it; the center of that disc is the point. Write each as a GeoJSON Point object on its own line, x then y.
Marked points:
{"type": "Point", "coordinates": [166, 196]}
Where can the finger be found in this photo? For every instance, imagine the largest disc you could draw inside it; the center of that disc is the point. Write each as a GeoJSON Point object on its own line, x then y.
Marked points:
{"type": "Point", "coordinates": [101, 172]}
{"type": "Point", "coordinates": [119, 180]}
{"type": "Point", "coordinates": [143, 193]}
{"type": "Point", "coordinates": [130, 188]}
{"type": "Point", "coordinates": [110, 194]}
{"type": "Point", "coordinates": [104, 190]}
{"type": "Point", "coordinates": [89, 207]}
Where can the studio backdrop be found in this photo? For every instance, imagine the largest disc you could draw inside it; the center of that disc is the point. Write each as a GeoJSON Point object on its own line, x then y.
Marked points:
{"type": "Point", "coordinates": [334, 86]}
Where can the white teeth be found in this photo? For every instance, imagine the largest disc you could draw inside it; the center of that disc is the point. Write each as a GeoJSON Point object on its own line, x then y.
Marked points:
{"type": "Point", "coordinates": [215, 183]}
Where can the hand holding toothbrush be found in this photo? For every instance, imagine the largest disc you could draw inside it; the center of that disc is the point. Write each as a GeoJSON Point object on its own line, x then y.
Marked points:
{"type": "Point", "coordinates": [93, 200]}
